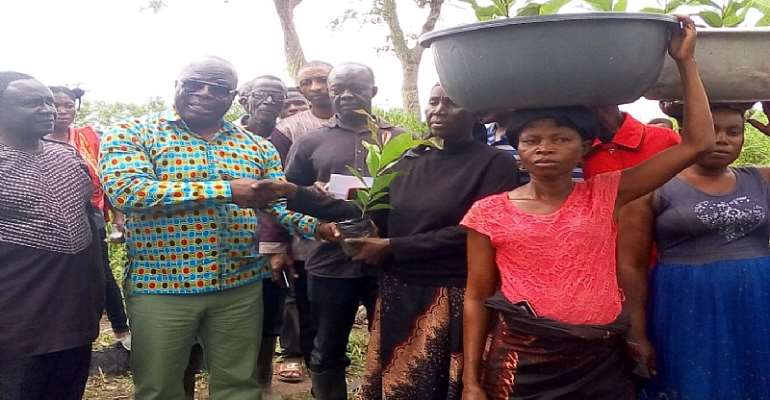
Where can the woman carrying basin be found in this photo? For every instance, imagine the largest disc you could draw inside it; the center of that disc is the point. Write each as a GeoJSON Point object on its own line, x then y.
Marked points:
{"type": "Point", "coordinates": [549, 246]}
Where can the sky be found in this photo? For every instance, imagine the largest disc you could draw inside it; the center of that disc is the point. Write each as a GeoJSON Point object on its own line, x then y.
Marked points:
{"type": "Point", "coordinates": [117, 51]}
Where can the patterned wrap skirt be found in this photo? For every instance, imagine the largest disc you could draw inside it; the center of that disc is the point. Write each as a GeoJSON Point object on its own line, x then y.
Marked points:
{"type": "Point", "coordinates": [538, 358]}
{"type": "Point", "coordinates": [415, 347]}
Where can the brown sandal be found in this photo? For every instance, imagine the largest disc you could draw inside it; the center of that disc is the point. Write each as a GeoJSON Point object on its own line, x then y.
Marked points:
{"type": "Point", "coordinates": [291, 372]}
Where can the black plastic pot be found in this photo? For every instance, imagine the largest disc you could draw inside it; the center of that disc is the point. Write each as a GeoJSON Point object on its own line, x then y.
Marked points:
{"type": "Point", "coordinates": [354, 229]}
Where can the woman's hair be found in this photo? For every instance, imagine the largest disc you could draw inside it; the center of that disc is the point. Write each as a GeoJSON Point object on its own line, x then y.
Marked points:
{"type": "Point", "coordinates": [739, 108]}
{"type": "Point", "coordinates": [578, 118]}
{"type": "Point", "coordinates": [75, 94]}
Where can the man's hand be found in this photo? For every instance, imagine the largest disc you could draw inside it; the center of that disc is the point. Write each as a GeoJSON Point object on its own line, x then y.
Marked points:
{"type": "Point", "coordinates": [682, 45]}
{"type": "Point", "coordinates": [275, 189]}
{"type": "Point", "coordinates": [282, 265]}
{"type": "Point", "coordinates": [764, 128]}
{"type": "Point", "coordinates": [328, 231]}
{"type": "Point", "coordinates": [250, 193]}
{"type": "Point", "coordinates": [369, 250]}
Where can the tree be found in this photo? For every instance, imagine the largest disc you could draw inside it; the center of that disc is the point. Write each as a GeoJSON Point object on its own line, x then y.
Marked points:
{"type": "Point", "coordinates": [408, 56]}
{"type": "Point", "coordinates": [292, 47]}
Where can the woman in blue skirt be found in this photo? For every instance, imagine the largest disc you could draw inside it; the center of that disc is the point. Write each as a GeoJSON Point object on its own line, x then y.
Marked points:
{"type": "Point", "coordinates": [709, 299]}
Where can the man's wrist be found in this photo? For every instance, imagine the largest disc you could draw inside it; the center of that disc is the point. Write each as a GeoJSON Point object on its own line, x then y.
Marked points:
{"type": "Point", "coordinates": [272, 248]}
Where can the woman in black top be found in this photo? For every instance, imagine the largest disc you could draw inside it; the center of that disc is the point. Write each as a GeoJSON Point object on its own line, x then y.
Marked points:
{"type": "Point", "coordinates": [415, 350]}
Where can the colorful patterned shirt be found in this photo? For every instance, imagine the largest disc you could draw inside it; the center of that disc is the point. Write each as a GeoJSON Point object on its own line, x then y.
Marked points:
{"type": "Point", "coordinates": [184, 234]}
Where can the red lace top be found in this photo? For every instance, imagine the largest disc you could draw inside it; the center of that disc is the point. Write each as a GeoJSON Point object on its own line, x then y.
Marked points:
{"type": "Point", "coordinates": [562, 264]}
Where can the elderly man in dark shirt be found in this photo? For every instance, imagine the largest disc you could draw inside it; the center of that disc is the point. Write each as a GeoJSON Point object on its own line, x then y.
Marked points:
{"type": "Point", "coordinates": [337, 285]}
{"type": "Point", "coordinates": [51, 278]}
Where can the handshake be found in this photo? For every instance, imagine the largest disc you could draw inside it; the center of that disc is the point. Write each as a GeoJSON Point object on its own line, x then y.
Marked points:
{"type": "Point", "coordinates": [252, 193]}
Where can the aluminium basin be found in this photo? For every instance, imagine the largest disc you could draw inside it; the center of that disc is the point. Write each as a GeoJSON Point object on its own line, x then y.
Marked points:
{"type": "Point", "coordinates": [734, 65]}
{"type": "Point", "coordinates": [551, 60]}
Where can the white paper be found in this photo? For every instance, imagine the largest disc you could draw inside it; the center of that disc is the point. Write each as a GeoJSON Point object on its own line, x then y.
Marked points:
{"type": "Point", "coordinates": [340, 185]}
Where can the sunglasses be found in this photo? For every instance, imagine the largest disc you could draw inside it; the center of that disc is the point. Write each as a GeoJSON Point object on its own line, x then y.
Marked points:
{"type": "Point", "coordinates": [193, 86]}
{"type": "Point", "coordinates": [260, 95]}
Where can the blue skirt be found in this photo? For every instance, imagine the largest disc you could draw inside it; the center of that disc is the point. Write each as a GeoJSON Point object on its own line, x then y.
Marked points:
{"type": "Point", "coordinates": [710, 325]}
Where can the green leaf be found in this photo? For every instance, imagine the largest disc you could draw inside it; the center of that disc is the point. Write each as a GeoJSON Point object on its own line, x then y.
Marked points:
{"type": "Point", "coordinates": [372, 157]}
{"type": "Point", "coordinates": [528, 10]}
{"type": "Point", "coordinates": [486, 13]}
{"type": "Point", "coordinates": [553, 6]}
{"type": "Point", "coordinates": [673, 5]}
{"type": "Point", "coordinates": [764, 21]}
{"type": "Point", "coordinates": [600, 5]}
{"type": "Point", "coordinates": [711, 18]}
{"type": "Point", "coordinates": [357, 175]}
{"type": "Point", "coordinates": [503, 7]}
{"type": "Point", "coordinates": [732, 21]}
{"type": "Point", "coordinates": [380, 207]}
{"type": "Point", "coordinates": [362, 198]}
{"type": "Point", "coordinates": [395, 148]}
{"type": "Point", "coordinates": [620, 6]}
{"type": "Point", "coordinates": [376, 196]}
{"type": "Point", "coordinates": [707, 3]}
{"type": "Point", "coordinates": [762, 6]}
{"type": "Point", "coordinates": [653, 10]}
{"type": "Point", "coordinates": [383, 181]}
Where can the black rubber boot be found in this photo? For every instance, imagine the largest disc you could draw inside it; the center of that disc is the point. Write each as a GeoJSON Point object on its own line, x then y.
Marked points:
{"type": "Point", "coordinates": [330, 385]}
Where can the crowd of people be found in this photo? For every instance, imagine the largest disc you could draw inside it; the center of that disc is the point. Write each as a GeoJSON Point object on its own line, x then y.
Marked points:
{"type": "Point", "coordinates": [570, 252]}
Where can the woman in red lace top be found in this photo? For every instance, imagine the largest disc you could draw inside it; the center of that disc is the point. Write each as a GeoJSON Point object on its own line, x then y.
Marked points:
{"type": "Point", "coordinates": [549, 246]}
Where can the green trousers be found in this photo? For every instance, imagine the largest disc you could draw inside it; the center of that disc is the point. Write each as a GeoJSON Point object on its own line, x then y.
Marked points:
{"type": "Point", "coordinates": [164, 327]}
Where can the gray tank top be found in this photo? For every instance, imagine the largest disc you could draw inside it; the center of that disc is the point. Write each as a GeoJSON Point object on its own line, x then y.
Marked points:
{"type": "Point", "coordinates": [693, 227]}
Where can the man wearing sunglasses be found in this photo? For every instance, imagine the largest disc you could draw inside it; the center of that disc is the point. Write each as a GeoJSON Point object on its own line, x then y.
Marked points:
{"type": "Point", "coordinates": [184, 180]}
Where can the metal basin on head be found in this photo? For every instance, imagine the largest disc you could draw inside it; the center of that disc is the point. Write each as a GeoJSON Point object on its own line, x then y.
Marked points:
{"type": "Point", "coordinates": [734, 65]}
{"type": "Point", "coordinates": [551, 60]}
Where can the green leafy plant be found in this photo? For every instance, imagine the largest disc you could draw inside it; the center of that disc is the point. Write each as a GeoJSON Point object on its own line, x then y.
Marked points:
{"type": "Point", "coordinates": [726, 14]}
{"type": "Point", "coordinates": [755, 143]}
{"type": "Point", "coordinates": [403, 119]}
{"type": "Point", "coordinates": [608, 5]}
{"type": "Point", "coordinates": [503, 8]}
{"type": "Point", "coordinates": [665, 6]}
{"type": "Point", "coordinates": [382, 155]}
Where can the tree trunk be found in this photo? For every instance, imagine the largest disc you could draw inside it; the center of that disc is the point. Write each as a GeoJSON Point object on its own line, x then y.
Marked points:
{"type": "Point", "coordinates": [292, 47]}
{"type": "Point", "coordinates": [409, 93]}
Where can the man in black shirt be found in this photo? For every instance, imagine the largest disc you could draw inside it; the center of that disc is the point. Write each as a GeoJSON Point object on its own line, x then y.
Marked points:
{"type": "Point", "coordinates": [51, 277]}
{"type": "Point", "coordinates": [337, 285]}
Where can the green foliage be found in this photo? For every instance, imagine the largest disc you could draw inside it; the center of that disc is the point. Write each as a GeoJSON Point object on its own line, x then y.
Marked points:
{"type": "Point", "coordinates": [756, 146]}
{"type": "Point", "coordinates": [608, 5]}
{"type": "Point", "coordinates": [402, 119]}
{"type": "Point", "coordinates": [665, 6]}
{"type": "Point", "coordinates": [728, 14]}
{"type": "Point", "coordinates": [382, 155]}
{"type": "Point", "coordinates": [503, 8]}
{"type": "Point", "coordinates": [103, 114]}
